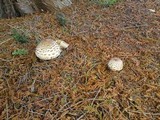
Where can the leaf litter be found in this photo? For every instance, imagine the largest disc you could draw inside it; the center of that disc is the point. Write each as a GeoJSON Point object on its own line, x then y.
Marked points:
{"type": "Point", "coordinates": [78, 85]}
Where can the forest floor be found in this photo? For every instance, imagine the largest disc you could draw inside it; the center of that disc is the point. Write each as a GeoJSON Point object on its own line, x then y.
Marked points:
{"type": "Point", "coordinates": [78, 85]}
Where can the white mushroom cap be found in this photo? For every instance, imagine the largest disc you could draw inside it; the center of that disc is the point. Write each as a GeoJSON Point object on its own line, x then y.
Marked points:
{"type": "Point", "coordinates": [115, 64]}
{"type": "Point", "coordinates": [48, 49]}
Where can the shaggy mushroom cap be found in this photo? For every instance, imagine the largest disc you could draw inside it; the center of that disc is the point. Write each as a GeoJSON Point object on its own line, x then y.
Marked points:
{"type": "Point", "coordinates": [48, 49]}
{"type": "Point", "coordinates": [115, 64]}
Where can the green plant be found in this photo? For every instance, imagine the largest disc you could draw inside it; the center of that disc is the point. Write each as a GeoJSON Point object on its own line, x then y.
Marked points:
{"type": "Point", "coordinates": [19, 36]}
{"type": "Point", "coordinates": [94, 109]}
{"type": "Point", "coordinates": [61, 19]}
{"type": "Point", "coordinates": [20, 52]}
{"type": "Point", "coordinates": [105, 2]}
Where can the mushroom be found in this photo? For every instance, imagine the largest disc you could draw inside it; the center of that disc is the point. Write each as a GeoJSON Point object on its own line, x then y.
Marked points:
{"type": "Point", "coordinates": [62, 43]}
{"type": "Point", "coordinates": [49, 49]}
{"type": "Point", "coordinates": [115, 64]}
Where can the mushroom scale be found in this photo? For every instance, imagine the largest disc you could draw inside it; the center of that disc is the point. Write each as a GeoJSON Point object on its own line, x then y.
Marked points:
{"type": "Point", "coordinates": [47, 49]}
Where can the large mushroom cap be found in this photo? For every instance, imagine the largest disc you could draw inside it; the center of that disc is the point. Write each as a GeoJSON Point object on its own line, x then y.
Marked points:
{"type": "Point", "coordinates": [115, 64]}
{"type": "Point", "coordinates": [47, 49]}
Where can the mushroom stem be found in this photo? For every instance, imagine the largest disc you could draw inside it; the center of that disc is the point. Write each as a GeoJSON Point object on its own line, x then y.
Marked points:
{"type": "Point", "coordinates": [62, 44]}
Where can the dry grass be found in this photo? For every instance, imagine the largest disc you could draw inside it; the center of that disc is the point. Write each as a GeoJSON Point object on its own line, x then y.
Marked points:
{"type": "Point", "coordinates": [78, 85]}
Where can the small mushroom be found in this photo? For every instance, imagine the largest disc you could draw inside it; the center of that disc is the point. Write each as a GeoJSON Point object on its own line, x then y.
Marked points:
{"type": "Point", "coordinates": [115, 64]}
{"type": "Point", "coordinates": [48, 49]}
{"type": "Point", "coordinates": [62, 43]}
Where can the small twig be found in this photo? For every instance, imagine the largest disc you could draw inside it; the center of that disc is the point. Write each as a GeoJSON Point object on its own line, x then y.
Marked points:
{"type": "Point", "coordinates": [92, 67]}
{"type": "Point", "coordinates": [7, 83]}
{"type": "Point", "coordinates": [84, 31]}
{"type": "Point", "coordinates": [7, 115]}
{"type": "Point", "coordinates": [5, 60]}
{"type": "Point", "coordinates": [154, 114]}
{"type": "Point", "coordinates": [43, 99]}
{"type": "Point", "coordinates": [35, 112]}
{"type": "Point", "coordinates": [91, 99]}
{"type": "Point", "coordinates": [23, 79]}
{"type": "Point", "coordinates": [39, 101]}
{"type": "Point", "coordinates": [61, 110]}
{"type": "Point", "coordinates": [72, 106]}
{"type": "Point", "coordinates": [81, 116]}
{"type": "Point", "coordinates": [5, 41]}
{"type": "Point", "coordinates": [96, 96]}
{"type": "Point", "coordinates": [136, 26]}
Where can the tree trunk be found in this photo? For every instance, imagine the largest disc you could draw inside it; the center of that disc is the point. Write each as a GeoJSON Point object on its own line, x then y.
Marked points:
{"type": "Point", "coordinates": [26, 6]}
{"type": "Point", "coordinates": [14, 8]}
{"type": "Point", "coordinates": [7, 9]}
{"type": "Point", "coordinates": [52, 4]}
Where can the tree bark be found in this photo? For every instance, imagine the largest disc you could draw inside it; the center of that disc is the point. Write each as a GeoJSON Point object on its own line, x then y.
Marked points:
{"type": "Point", "coordinates": [52, 4]}
{"type": "Point", "coordinates": [26, 6]}
{"type": "Point", "coordinates": [14, 8]}
{"type": "Point", "coordinates": [7, 9]}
